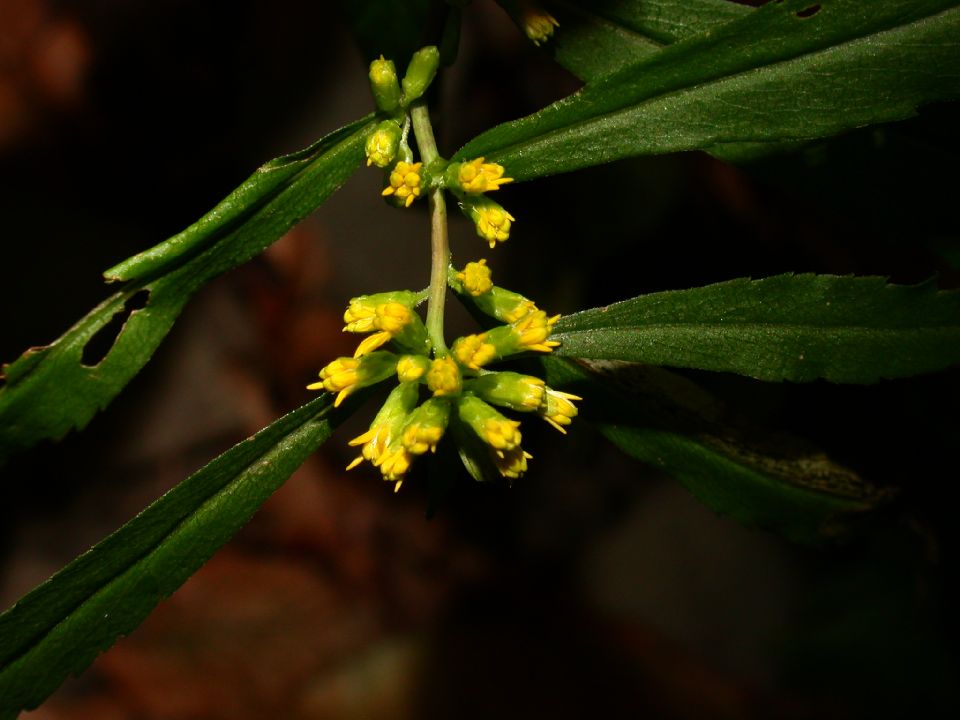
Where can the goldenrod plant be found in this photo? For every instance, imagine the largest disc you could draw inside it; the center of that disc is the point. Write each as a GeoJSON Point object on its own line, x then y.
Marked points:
{"type": "Point", "coordinates": [657, 77]}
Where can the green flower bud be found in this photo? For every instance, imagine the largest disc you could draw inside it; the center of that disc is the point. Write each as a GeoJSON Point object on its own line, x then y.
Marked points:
{"type": "Point", "coordinates": [346, 375]}
{"type": "Point", "coordinates": [491, 220]}
{"type": "Point", "coordinates": [412, 368]}
{"type": "Point", "coordinates": [420, 72]}
{"type": "Point", "coordinates": [523, 393]}
{"type": "Point", "coordinates": [383, 144]}
{"type": "Point", "coordinates": [361, 314]}
{"type": "Point", "coordinates": [384, 85]}
{"type": "Point", "coordinates": [497, 431]}
{"type": "Point", "coordinates": [426, 426]}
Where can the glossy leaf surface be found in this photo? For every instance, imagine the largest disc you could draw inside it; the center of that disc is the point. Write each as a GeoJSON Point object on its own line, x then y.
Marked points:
{"type": "Point", "coordinates": [787, 72]}
{"type": "Point", "coordinates": [597, 38]}
{"type": "Point", "coordinates": [787, 327]}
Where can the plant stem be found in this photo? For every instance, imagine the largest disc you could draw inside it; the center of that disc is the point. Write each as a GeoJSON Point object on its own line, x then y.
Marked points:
{"type": "Point", "coordinates": [439, 244]}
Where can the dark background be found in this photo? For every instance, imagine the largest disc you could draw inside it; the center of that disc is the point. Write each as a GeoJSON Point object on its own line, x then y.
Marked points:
{"type": "Point", "coordinates": [594, 584]}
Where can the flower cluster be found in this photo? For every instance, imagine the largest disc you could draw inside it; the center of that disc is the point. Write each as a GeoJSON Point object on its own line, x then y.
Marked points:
{"type": "Point", "coordinates": [437, 391]}
{"type": "Point", "coordinates": [405, 180]}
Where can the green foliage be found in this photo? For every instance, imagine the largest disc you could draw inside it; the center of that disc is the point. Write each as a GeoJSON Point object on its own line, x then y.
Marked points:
{"type": "Point", "coordinates": [788, 327]}
{"type": "Point", "coordinates": [59, 627]}
{"type": "Point", "coordinates": [598, 38]}
{"type": "Point", "coordinates": [49, 390]}
{"type": "Point", "coordinates": [662, 76]}
{"type": "Point", "coordinates": [756, 477]}
{"type": "Point", "coordinates": [775, 75]}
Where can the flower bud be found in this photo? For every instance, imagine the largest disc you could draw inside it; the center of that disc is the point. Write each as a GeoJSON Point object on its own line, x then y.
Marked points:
{"type": "Point", "coordinates": [443, 377]}
{"type": "Point", "coordinates": [411, 368]}
{"type": "Point", "coordinates": [346, 375]}
{"type": "Point", "coordinates": [557, 408]}
{"type": "Point", "coordinates": [420, 72]}
{"type": "Point", "coordinates": [512, 390]}
{"type": "Point", "coordinates": [386, 426]}
{"type": "Point", "coordinates": [494, 429]}
{"type": "Point", "coordinates": [475, 278]}
{"type": "Point", "coordinates": [383, 144]}
{"type": "Point", "coordinates": [405, 182]}
{"type": "Point", "coordinates": [475, 176]}
{"type": "Point", "coordinates": [361, 314]}
{"type": "Point", "coordinates": [384, 85]}
{"type": "Point", "coordinates": [426, 426]}
{"type": "Point", "coordinates": [489, 217]}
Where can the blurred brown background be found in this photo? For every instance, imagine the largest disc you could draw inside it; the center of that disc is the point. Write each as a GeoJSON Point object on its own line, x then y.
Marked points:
{"type": "Point", "coordinates": [593, 585]}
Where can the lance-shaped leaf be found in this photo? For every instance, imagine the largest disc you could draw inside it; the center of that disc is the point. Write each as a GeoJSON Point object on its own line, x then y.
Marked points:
{"type": "Point", "coordinates": [61, 626]}
{"type": "Point", "coordinates": [594, 39]}
{"type": "Point", "coordinates": [49, 390]}
{"type": "Point", "coordinates": [758, 478]}
{"type": "Point", "coordinates": [788, 71]}
{"type": "Point", "coordinates": [787, 327]}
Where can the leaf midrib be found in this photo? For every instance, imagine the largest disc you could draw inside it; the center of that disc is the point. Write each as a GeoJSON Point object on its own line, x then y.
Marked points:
{"type": "Point", "coordinates": [734, 324]}
{"type": "Point", "coordinates": [136, 560]}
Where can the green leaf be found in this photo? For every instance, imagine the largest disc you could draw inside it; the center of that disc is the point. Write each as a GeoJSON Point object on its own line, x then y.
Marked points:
{"type": "Point", "coordinates": [787, 72]}
{"type": "Point", "coordinates": [597, 38]}
{"type": "Point", "coordinates": [787, 327]}
{"type": "Point", "coordinates": [49, 390]}
{"type": "Point", "coordinates": [760, 479]}
{"type": "Point", "coordinates": [61, 626]}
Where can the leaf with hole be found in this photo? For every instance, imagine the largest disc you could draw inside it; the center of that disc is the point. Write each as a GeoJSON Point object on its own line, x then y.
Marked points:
{"type": "Point", "coordinates": [781, 73]}
{"type": "Point", "coordinates": [53, 389]}
{"type": "Point", "coordinates": [61, 626]}
{"type": "Point", "coordinates": [787, 327]}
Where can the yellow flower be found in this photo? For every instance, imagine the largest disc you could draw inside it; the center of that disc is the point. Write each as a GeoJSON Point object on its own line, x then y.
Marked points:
{"type": "Point", "coordinates": [340, 376]}
{"type": "Point", "coordinates": [496, 430]}
{"type": "Point", "coordinates": [411, 368]}
{"type": "Point", "coordinates": [374, 442]}
{"type": "Point", "coordinates": [386, 426]}
{"type": "Point", "coordinates": [345, 375]}
{"type": "Point", "coordinates": [473, 351]}
{"type": "Point", "coordinates": [426, 426]}
{"type": "Point", "coordinates": [534, 329]}
{"type": "Point", "coordinates": [511, 463]}
{"type": "Point", "coordinates": [443, 377]}
{"type": "Point", "coordinates": [394, 464]}
{"type": "Point", "coordinates": [405, 182]}
{"type": "Point", "coordinates": [490, 219]}
{"type": "Point", "coordinates": [392, 317]}
{"type": "Point", "coordinates": [530, 332]}
{"type": "Point", "coordinates": [394, 321]}
{"type": "Point", "coordinates": [417, 439]}
{"type": "Point", "coordinates": [383, 144]}
{"type": "Point", "coordinates": [523, 308]}
{"type": "Point", "coordinates": [476, 278]}
{"type": "Point", "coordinates": [538, 24]}
{"type": "Point", "coordinates": [371, 343]}
{"type": "Point", "coordinates": [494, 225]}
{"type": "Point", "coordinates": [359, 315]}
{"type": "Point", "coordinates": [558, 409]}
{"type": "Point", "coordinates": [501, 433]}
{"type": "Point", "coordinates": [476, 176]}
